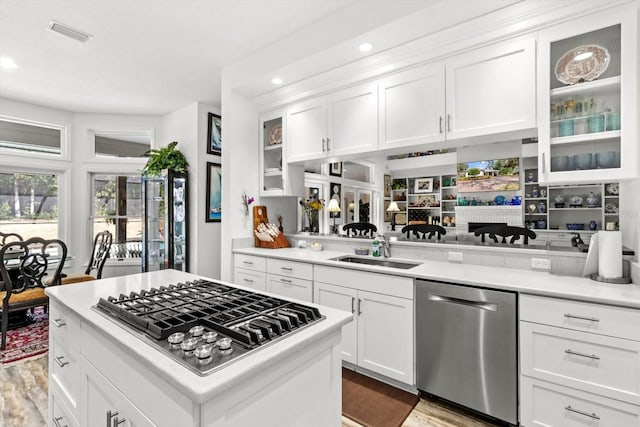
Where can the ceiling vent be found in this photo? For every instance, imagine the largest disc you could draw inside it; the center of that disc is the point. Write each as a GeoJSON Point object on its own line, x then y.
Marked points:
{"type": "Point", "coordinates": [66, 30]}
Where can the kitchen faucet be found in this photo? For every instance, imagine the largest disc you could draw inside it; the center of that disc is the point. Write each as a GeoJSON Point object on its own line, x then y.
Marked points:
{"type": "Point", "coordinates": [384, 243]}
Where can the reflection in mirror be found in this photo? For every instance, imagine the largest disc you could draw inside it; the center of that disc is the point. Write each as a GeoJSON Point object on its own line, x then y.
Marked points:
{"type": "Point", "coordinates": [356, 171]}
{"type": "Point", "coordinates": [364, 206]}
{"type": "Point", "coordinates": [122, 144]}
{"type": "Point", "coordinates": [348, 200]}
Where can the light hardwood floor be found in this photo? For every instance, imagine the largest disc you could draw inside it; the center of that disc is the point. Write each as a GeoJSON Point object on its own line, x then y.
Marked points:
{"type": "Point", "coordinates": [429, 413]}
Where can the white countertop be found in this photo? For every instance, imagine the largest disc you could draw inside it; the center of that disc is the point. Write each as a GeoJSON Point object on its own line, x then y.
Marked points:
{"type": "Point", "coordinates": [524, 281]}
{"type": "Point", "coordinates": [81, 297]}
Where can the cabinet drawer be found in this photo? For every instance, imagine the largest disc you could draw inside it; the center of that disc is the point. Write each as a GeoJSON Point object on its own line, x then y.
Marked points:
{"type": "Point", "coordinates": [64, 325]}
{"type": "Point", "coordinates": [59, 413]}
{"type": "Point", "coordinates": [401, 287]}
{"type": "Point", "coordinates": [546, 404]}
{"type": "Point", "coordinates": [64, 371]}
{"type": "Point", "coordinates": [253, 279]}
{"type": "Point", "coordinates": [290, 287]}
{"type": "Point", "coordinates": [250, 262]}
{"type": "Point", "coordinates": [594, 363]}
{"type": "Point", "coordinates": [609, 320]}
{"type": "Point", "coordinates": [301, 270]}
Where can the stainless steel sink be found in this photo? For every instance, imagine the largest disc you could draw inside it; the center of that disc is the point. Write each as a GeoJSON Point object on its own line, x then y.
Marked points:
{"type": "Point", "coordinates": [381, 262]}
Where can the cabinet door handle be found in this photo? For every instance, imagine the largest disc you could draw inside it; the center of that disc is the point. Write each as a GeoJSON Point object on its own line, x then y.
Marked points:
{"type": "Point", "coordinates": [247, 262]}
{"type": "Point", "coordinates": [359, 306]}
{"type": "Point", "coordinates": [353, 300]}
{"type": "Point", "coordinates": [573, 316]}
{"type": "Point", "coordinates": [117, 421]}
{"type": "Point", "coordinates": [323, 142]}
{"type": "Point", "coordinates": [544, 164]}
{"type": "Point", "coordinates": [285, 280]}
{"type": "Point", "coordinates": [441, 124]}
{"type": "Point", "coordinates": [586, 414]}
{"type": "Point", "coordinates": [60, 362]}
{"type": "Point", "coordinates": [59, 322]}
{"type": "Point", "coordinates": [577, 353]}
{"type": "Point", "coordinates": [248, 280]}
{"type": "Point", "coordinates": [448, 122]}
{"type": "Point", "coordinates": [286, 268]}
{"type": "Point", "coordinates": [328, 140]}
{"type": "Point", "coordinates": [56, 421]}
{"type": "Point", "coordinates": [109, 416]}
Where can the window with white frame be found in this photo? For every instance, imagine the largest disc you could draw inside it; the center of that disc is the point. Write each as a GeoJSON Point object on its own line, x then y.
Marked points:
{"type": "Point", "coordinates": [28, 139]}
{"type": "Point", "coordinates": [117, 207]}
{"type": "Point", "coordinates": [29, 204]}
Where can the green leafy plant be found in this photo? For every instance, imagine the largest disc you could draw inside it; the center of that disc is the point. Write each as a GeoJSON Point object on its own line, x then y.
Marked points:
{"type": "Point", "coordinates": [165, 158]}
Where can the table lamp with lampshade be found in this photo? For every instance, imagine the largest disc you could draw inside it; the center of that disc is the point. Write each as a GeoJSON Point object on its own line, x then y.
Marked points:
{"type": "Point", "coordinates": [393, 208]}
{"type": "Point", "coordinates": [334, 208]}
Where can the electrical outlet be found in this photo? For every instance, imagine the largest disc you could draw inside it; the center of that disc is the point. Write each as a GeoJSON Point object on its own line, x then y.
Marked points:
{"type": "Point", "coordinates": [302, 243]}
{"type": "Point", "coordinates": [541, 263]}
{"type": "Point", "coordinates": [456, 256]}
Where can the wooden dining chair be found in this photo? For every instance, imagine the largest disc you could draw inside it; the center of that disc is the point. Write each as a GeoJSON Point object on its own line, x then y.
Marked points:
{"type": "Point", "coordinates": [424, 231]}
{"type": "Point", "coordinates": [360, 229]}
{"type": "Point", "coordinates": [24, 267]}
{"type": "Point", "coordinates": [505, 231]}
{"type": "Point", "coordinates": [99, 254]}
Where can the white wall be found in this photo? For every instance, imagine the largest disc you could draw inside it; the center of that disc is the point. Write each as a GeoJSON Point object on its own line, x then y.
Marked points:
{"type": "Point", "coordinates": [240, 127]}
{"type": "Point", "coordinates": [188, 126]}
{"type": "Point", "coordinates": [630, 215]}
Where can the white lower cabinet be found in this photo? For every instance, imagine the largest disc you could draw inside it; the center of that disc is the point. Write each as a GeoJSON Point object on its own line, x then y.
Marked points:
{"type": "Point", "coordinates": [548, 404]}
{"type": "Point", "coordinates": [577, 369]}
{"type": "Point", "coordinates": [104, 404]}
{"type": "Point", "coordinates": [252, 279]}
{"type": "Point", "coordinates": [381, 337]}
{"type": "Point", "coordinates": [290, 287]}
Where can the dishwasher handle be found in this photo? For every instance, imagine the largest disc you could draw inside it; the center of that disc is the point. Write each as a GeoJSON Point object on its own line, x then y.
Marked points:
{"type": "Point", "coordinates": [482, 305]}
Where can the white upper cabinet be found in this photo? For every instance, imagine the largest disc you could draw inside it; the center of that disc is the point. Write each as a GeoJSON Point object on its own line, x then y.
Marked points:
{"type": "Point", "coordinates": [307, 130]}
{"type": "Point", "coordinates": [491, 90]}
{"type": "Point", "coordinates": [345, 122]}
{"type": "Point", "coordinates": [277, 177]}
{"type": "Point", "coordinates": [588, 98]}
{"type": "Point", "coordinates": [353, 120]}
{"type": "Point", "coordinates": [411, 107]}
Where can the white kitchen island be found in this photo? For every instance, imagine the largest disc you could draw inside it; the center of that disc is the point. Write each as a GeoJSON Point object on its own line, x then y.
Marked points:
{"type": "Point", "coordinates": [102, 374]}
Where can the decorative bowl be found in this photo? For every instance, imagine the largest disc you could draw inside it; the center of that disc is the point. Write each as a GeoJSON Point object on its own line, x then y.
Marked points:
{"type": "Point", "coordinates": [583, 161]}
{"type": "Point", "coordinates": [361, 251]}
{"type": "Point", "coordinates": [575, 226]}
{"type": "Point", "coordinates": [608, 159]}
{"type": "Point", "coordinates": [560, 163]}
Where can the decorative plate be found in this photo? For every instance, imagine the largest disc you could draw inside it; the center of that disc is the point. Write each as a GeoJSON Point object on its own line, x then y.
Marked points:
{"type": "Point", "coordinates": [610, 208]}
{"type": "Point", "coordinates": [275, 136]}
{"type": "Point", "coordinates": [612, 189]}
{"type": "Point", "coordinates": [570, 70]}
{"type": "Point", "coordinates": [401, 218]}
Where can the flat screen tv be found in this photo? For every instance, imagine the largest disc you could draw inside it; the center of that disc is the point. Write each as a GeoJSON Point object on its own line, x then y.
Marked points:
{"type": "Point", "coordinates": [489, 175]}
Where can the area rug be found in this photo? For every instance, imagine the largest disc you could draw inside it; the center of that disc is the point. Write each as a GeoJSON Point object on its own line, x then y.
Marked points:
{"type": "Point", "coordinates": [372, 403]}
{"type": "Point", "coordinates": [23, 393]}
{"type": "Point", "coordinates": [27, 341]}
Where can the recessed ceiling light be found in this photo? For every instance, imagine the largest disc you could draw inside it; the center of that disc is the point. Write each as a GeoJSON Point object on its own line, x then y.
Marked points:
{"type": "Point", "coordinates": [68, 31]}
{"type": "Point", "coordinates": [365, 47]}
{"type": "Point", "coordinates": [8, 63]}
{"type": "Point", "coordinates": [276, 81]}
{"type": "Point", "coordinates": [582, 56]}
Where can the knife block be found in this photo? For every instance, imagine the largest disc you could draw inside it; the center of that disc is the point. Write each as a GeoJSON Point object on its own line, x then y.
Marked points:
{"type": "Point", "coordinates": [260, 216]}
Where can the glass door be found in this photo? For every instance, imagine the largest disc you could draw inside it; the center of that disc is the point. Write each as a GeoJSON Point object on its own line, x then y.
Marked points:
{"type": "Point", "coordinates": [584, 135]}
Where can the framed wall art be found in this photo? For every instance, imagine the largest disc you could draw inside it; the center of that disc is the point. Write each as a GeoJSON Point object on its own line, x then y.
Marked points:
{"type": "Point", "coordinates": [214, 192]}
{"type": "Point", "coordinates": [423, 185]}
{"type": "Point", "coordinates": [214, 134]}
{"type": "Point", "coordinates": [335, 169]}
{"type": "Point", "coordinates": [387, 186]}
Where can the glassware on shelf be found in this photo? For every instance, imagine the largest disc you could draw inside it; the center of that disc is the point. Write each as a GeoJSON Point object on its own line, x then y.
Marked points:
{"type": "Point", "coordinates": [566, 128]}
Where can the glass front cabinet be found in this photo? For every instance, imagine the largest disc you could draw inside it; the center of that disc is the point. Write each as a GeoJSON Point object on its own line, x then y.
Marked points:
{"type": "Point", "coordinates": [588, 103]}
{"type": "Point", "coordinates": [165, 229]}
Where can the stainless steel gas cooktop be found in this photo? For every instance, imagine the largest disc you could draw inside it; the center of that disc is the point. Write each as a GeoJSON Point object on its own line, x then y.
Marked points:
{"type": "Point", "coordinates": [204, 324]}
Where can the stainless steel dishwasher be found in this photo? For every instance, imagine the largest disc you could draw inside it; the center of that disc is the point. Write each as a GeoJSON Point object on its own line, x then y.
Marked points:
{"type": "Point", "coordinates": [467, 347]}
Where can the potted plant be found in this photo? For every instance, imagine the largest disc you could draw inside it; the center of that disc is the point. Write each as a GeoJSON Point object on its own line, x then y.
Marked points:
{"type": "Point", "coordinates": [165, 158]}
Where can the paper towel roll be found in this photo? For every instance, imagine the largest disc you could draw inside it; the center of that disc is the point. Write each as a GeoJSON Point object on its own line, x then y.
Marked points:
{"type": "Point", "coordinates": [610, 254]}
